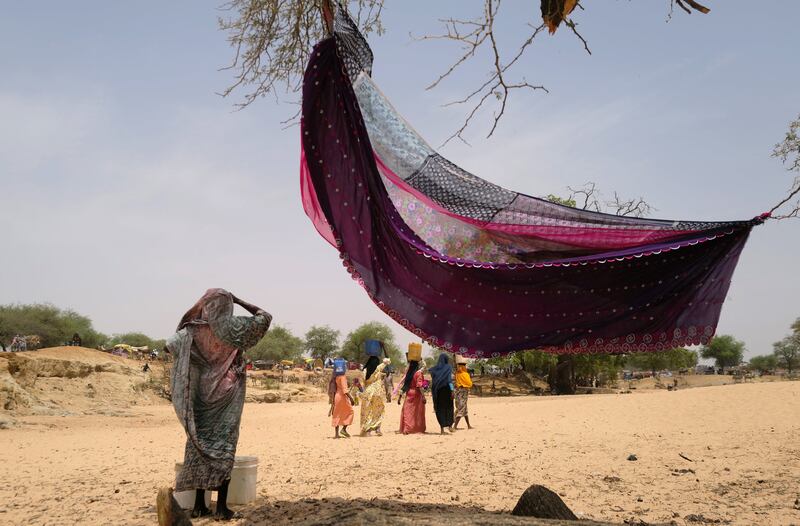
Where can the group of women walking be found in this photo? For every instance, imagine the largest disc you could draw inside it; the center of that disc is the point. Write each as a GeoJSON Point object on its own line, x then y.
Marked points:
{"type": "Point", "coordinates": [446, 387]}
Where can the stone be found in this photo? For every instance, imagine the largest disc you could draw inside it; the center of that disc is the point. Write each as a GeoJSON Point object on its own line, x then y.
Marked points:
{"type": "Point", "coordinates": [542, 503]}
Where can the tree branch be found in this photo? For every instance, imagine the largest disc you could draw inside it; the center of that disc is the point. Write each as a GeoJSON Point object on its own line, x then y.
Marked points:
{"type": "Point", "coordinates": [474, 35]}
{"type": "Point", "coordinates": [788, 151]}
{"type": "Point", "coordinates": [272, 40]}
{"type": "Point", "coordinates": [589, 197]}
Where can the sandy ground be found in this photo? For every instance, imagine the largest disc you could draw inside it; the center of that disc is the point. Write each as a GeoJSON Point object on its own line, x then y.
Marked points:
{"type": "Point", "coordinates": [742, 442]}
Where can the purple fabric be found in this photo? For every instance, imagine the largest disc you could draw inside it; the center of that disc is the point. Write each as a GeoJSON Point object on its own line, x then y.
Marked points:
{"type": "Point", "coordinates": [638, 298]}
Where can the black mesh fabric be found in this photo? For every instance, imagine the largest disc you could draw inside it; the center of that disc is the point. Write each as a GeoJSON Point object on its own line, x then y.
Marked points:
{"type": "Point", "coordinates": [458, 190]}
{"type": "Point", "coordinates": [353, 48]}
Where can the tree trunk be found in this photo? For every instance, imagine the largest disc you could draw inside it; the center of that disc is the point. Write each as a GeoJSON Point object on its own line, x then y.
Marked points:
{"type": "Point", "coordinates": [561, 376]}
{"type": "Point", "coordinates": [326, 11]}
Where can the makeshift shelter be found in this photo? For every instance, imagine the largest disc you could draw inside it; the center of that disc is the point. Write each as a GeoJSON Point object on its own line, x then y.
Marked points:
{"type": "Point", "coordinates": [480, 270]}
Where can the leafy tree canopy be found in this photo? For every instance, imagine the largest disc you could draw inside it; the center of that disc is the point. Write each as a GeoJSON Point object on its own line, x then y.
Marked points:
{"type": "Point", "coordinates": [321, 342]}
{"type": "Point", "coordinates": [763, 363]}
{"type": "Point", "coordinates": [278, 344]}
{"type": "Point", "coordinates": [672, 359]}
{"type": "Point", "coordinates": [353, 346]}
{"type": "Point", "coordinates": [136, 339]}
{"type": "Point", "coordinates": [787, 352]}
{"type": "Point", "coordinates": [725, 350]}
{"type": "Point", "coordinates": [53, 325]}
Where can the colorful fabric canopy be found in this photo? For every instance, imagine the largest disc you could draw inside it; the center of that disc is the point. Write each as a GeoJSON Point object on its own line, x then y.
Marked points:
{"type": "Point", "coordinates": [480, 270]}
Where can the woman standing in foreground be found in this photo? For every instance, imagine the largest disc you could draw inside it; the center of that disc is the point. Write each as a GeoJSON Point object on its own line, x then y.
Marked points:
{"type": "Point", "coordinates": [463, 385]}
{"type": "Point", "coordinates": [412, 417]}
{"type": "Point", "coordinates": [442, 392]}
{"type": "Point", "coordinates": [208, 386]}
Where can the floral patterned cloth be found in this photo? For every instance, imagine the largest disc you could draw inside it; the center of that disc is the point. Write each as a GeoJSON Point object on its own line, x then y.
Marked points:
{"type": "Point", "coordinates": [462, 395]}
{"type": "Point", "coordinates": [372, 401]}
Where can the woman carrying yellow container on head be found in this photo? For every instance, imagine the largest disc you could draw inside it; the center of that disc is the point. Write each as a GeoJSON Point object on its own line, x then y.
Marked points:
{"type": "Point", "coordinates": [412, 417]}
{"type": "Point", "coordinates": [463, 385]}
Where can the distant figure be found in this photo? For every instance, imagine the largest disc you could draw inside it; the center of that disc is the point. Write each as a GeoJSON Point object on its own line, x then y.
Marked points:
{"type": "Point", "coordinates": [331, 394]}
{"type": "Point", "coordinates": [463, 385]}
{"type": "Point", "coordinates": [372, 405]}
{"type": "Point", "coordinates": [18, 344]}
{"type": "Point", "coordinates": [388, 382]}
{"type": "Point", "coordinates": [442, 392]}
{"type": "Point", "coordinates": [145, 367]}
{"type": "Point", "coordinates": [342, 406]}
{"type": "Point", "coordinates": [412, 417]}
{"type": "Point", "coordinates": [76, 340]}
{"type": "Point", "coordinates": [483, 370]}
{"type": "Point", "coordinates": [208, 387]}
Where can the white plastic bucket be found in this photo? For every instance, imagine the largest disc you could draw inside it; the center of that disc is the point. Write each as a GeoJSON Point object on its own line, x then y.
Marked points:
{"type": "Point", "coordinates": [243, 481]}
{"type": "Point", "coordinates": [185, 499]}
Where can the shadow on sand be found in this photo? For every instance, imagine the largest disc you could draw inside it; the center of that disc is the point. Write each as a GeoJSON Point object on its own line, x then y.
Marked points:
{"type": "Point", "coordinates": [337, 511]}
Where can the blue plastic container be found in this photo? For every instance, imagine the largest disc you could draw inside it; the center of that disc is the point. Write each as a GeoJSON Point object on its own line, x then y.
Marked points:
{"type": "Point", "coordinates": [373, 347]}
{"type": "Point", "coordinates": [339, 366]}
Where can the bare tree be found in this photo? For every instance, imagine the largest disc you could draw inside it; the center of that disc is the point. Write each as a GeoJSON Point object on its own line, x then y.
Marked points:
{"type": "Point", "coordinates": [473, 35]}
{"type": "Point", "coordinates": [788, 151]}
{"type": "Point", "coordinates": [588, 197]}
{"type": "Point", "coordinates": [272, 39]}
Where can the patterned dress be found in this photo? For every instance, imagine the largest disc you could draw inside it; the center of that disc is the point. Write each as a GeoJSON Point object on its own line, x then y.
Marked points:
{"type": "Point", "coordinates": [208, 386]}
{"type": "Point", "coordinates": [372, 401]}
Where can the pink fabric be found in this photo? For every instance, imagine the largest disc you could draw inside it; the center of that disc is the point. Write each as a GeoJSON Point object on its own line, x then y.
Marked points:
{"type": "Point", "coordinates": [574, 236]}
{"type": "Point", "coordinates": [412, 418]}
{"type": "Point", "coordinates": [219, 377]}
{"type": "Point", "coordinates": [342, 408]}
{"type": "Point", "coordinates": [311, 204]}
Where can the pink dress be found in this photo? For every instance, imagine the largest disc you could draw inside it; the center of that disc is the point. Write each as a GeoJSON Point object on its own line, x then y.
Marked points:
{"type": "Point", "coordinates": [412, 418]}
{"type": "Point", "coordinates": [342, 408]}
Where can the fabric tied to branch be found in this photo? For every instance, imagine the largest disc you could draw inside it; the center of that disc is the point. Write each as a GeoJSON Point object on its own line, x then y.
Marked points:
{"type": "Point", "coordinates": [479, 270]}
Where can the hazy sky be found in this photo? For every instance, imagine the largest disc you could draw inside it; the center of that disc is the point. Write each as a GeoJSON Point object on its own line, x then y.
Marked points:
{"type": "Point", "coordinates": [128, 187]}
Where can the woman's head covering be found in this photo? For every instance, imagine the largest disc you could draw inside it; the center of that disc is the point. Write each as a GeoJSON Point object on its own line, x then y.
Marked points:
{"type": "Point", "coordinates": [371, 365]}
{"type": "Point", "coordinates": [413, 365]}
{"type": "Point", "coordinates": [441, 373]}
{"type": "Point", "coordinates": [462, 377]}
{"type": "Point", "coordinates": [213, 306]}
